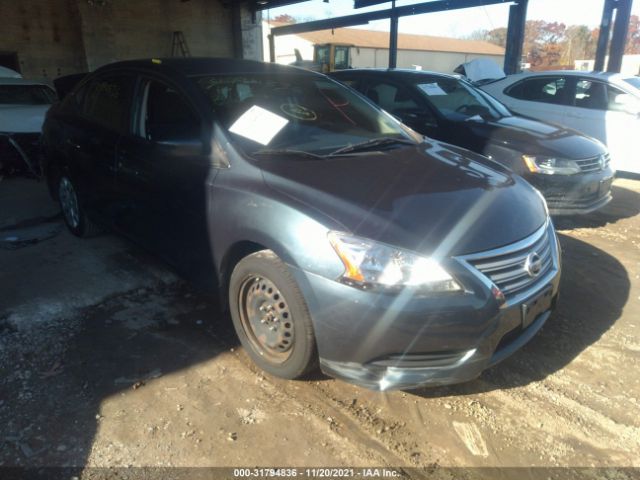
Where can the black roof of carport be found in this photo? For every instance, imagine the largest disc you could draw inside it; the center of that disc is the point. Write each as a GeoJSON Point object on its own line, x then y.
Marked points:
{"type": "Point", "coordinates": [209, 66]}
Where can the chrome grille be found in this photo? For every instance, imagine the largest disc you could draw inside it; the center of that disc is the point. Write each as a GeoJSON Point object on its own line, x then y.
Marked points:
{"type": "Point", "coordinates": [507, 267]}
{"type": "Point", "coordinates": [593, 164]}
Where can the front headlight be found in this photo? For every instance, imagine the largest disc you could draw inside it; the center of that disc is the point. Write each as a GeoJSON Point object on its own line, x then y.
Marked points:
{"type": "Point", "coordinates": [550, 165]}
{"type": "Point", "coordinates": [368, 263]}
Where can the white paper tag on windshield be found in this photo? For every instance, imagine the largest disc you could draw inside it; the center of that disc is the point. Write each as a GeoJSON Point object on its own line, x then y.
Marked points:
{"type": "Point", "coordinates": [259, 125]}
{"type": "Point", "coordinates": [432, 89]}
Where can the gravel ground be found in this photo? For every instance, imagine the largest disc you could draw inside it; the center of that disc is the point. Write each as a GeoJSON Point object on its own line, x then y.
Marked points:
{"type": "Point", "coordinates": [108, 359]}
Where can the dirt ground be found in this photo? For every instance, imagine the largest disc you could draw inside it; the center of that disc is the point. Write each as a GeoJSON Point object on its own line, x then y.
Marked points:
{"type": "Point", "coordinates": [107, 359]}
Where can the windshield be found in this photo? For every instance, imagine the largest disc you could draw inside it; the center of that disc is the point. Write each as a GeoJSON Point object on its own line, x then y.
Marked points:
{"type": "Point", "coordinates": [634, 81]}
{"type": "Point", "coordinates": [303, 113]}
{"type": "Point", "coordinates": [26, 95]}
{"type": "Point", "coordinates": [457, 100]}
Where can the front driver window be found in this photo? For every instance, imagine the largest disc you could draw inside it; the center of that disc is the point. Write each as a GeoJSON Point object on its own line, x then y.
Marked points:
{"type": "Point", "coordinates": [391, 98]}
{"type": "Point", "coordinates": [591, 95]}
{"type": "Point", "coordinates": [620, 101]}
{"type": "Point", "coordinates": [166, 115]}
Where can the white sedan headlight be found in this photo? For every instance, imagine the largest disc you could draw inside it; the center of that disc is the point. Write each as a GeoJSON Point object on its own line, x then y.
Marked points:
{"type": "Point", "coordinates": [369, 263]}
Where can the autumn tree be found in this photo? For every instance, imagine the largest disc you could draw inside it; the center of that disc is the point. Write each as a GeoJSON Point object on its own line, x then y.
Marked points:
{"type": "Point", "coordinates": [284, 18]}
{"type": "Point", "coordinates": [633, 37]}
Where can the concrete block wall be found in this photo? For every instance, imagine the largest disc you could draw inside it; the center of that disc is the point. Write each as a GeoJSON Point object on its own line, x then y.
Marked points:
{"type": "Point", "coordinates": [124, 29]}
{"type": "Point", "coordinates": [46, 35]}
{"type": "Point", "coordinates": [60, 37]}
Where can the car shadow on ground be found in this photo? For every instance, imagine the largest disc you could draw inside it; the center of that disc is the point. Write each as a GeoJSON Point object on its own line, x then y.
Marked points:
{"type": "Point", "coordinates": [625, 204]}
{"type": "Point", "coordinates": [108, 349]}
{"type": "Point", "coordinates": [594, 288]}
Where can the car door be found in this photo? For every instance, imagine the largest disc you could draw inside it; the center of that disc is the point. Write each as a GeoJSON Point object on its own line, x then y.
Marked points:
{"type": "Point", "coordinates": [588, 110]}
{"type": "Point", "coordinates": [162, 170]}
{"type": "Point", "coordinates": [622, 116]}
{"type": "Point", "coordinates": [92, 137]}
{"type": "Point", "coordinates": [542, 97]}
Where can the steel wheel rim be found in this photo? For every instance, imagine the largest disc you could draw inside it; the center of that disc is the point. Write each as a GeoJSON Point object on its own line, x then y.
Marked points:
{"type": "Point", "coordinates": [69, 202]}
{"type": "Point", "coordinates": [266, 318]}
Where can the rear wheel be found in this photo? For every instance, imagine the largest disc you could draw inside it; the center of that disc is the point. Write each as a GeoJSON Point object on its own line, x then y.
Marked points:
{"type": "Point", "coordinates": [271, 317]}
{"type": "Point", "coordinates": [74, 214]}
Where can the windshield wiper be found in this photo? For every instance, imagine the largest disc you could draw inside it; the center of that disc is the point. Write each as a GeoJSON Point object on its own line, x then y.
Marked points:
{"type": "Point", "coordinates": [287, 152]}
{"type": "Point", "coordinates": [373, 143]}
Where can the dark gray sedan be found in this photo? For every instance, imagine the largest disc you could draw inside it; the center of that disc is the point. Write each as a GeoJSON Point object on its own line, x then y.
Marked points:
{"type": "Point", "coordinates": [334, 234]}
{"type": "Point", "coordinates": [571, 170]}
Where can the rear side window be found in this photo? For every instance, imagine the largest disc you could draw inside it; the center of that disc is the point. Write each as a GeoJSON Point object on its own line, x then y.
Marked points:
{"type": "Point", "coordinates": [106, 101]}
{"type": "Point", "coordinates": [540, 89]}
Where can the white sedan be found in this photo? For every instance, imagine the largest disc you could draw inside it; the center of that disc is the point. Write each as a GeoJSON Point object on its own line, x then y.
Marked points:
{"type": "Point", "coordinates": [605, 106]}
{"type": "Point", "coordinates": [23, 106]}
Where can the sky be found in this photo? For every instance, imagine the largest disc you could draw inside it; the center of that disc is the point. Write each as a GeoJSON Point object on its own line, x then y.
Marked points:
{"type": "Point", "coordinates": [458, 23]}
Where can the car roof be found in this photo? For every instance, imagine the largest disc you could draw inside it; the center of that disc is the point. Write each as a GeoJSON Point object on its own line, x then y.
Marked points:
{"type": "Point", "coordinates": [397, 72]}
{"type": "Point", "coordinates": [610, 77]}
{"type": "Point", "coordinates": [206, 66]}
{"type": "Point", "coordinates": [580, 73]}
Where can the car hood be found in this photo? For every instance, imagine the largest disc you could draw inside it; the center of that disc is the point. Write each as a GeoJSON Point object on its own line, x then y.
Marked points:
{"type": "Point", "coordinates": [533, 137]}
{"type": "Point", "coordinates": [22, 118]}
{"type": "Point", "coordinates": [433, 198]}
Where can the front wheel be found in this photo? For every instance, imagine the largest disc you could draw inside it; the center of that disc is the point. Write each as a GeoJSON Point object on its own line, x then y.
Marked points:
{"type": "Point", "coordinates": [74, 214]}
{"type": "Point", "coordinates": [271, 317]}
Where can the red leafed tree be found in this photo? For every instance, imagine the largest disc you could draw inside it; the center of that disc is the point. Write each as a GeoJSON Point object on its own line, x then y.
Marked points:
{"type": "Point", "coordinates": [284, 18]}
{"type": "Point", "coordinates": [633, 37]}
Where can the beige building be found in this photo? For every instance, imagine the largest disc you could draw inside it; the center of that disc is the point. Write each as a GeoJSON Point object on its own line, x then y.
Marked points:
{"type": "Point", "coordinates": [370, 48]}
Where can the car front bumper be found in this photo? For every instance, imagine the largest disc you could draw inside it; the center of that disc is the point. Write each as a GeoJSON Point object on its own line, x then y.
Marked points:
{"type": "Point", "coordinates": [575, 194]}
{"type": "Point", "coordinates": [387, 341]}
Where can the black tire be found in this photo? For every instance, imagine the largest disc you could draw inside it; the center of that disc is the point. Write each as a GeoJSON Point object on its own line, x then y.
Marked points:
{"type": "Point", "coordinates": [77, 221]}
{"type": "Point", "coordinates": [291, 315]}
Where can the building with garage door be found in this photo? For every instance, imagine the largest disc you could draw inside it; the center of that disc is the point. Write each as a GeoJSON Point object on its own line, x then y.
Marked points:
{"type": "Point", "coordinates": [370, 48]}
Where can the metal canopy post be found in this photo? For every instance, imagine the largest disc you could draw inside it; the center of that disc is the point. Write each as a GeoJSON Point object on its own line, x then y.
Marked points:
{"type": "Point", "coordinates": [619, 37]}
{"type": "Point", "coordinates": [515, 37]}
{"type": "Point", "coordinates": [603, 37]}
{"type": "Point", "coordinates": [272, 48]}
{"type": "Point", "coordinates": [393, 37]}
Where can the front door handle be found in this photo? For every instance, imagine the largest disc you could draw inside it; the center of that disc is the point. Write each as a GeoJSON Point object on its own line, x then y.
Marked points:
{"type": "Point", "coordinates": [123, 166]}
{"type": "Point", "coordinates": [72, 144]}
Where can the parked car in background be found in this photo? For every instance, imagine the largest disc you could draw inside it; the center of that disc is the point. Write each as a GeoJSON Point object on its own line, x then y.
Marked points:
{"type": "Point", "coordinates": [334, 233]}
{"type": "Point", "coordinates": [23, 105]}
{"type": "Point", "coordinates": [571, 170]}
{"type": "Point", "coordinates": [605, 106]}
{"type": "Point", "coordinates": [9, 73]}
